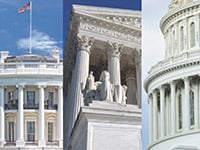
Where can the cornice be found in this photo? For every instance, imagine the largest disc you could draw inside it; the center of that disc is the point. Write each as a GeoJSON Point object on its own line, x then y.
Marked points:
{"type": "Point", "coordinates": [179, 11]}
{"type": "Point", "coordinates": [172, 64]}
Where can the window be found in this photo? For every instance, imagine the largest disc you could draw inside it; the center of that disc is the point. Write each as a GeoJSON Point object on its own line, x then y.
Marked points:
{"type": "Point", "coordinates": [11, 131]}
{"type": "Point", "coordinates": [181, 38]}
{"type": "Point", "coordinates": [50, 131]}
{"type": "Point", "coordinates": [10, 95]}
{"type": "Point", "coordinates": [174, 41]}
{"type": "Point", "coordinates": [179, 111]}
{"type": "Point", "coordinates": [31, 131]}
{"type": "Point", "coordinates": [191, 108]}
{"type": "Point", "coordinates": [192, 35]}
{"type": "Point", "coordinates": [30, 97]}
{"type": "Point", "coordinates": [50, 98]}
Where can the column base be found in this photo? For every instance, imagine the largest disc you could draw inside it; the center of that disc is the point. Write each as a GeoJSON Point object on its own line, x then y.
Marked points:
{"type": "Point", "coordinates": [42, 142]}
{"type": "Point", "coordinates": [20, 143]}
{"type": "Point", "coordinates": [2, 142]}
{"type": "Point", "coordinates": [60, 143]}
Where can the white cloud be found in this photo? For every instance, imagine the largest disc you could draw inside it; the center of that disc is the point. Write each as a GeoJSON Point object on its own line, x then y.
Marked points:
{"type": "Point", "coordinates": [40, 41]}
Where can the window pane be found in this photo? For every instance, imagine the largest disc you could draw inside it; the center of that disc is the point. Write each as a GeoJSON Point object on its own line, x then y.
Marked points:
{"type": "Point", "coordinates": [50, 131]}
{"type": "Point", "coordinates": [192, 34]}
{"type": "Point", "coordinates": [30, 97]}
{"type": "Point", "coordinates": [31, 131]}
{"type": "Point", "coordinates": [191, 108]}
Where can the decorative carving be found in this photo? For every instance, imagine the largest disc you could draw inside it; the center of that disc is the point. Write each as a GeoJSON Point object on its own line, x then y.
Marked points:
{"type": "Point", "coordinates": [109, 32]}
{"type": "Point", "coordinates": [114, 49]}
{"type": "Point", "coordinates": [85, 43]}
{"type": "Point", "coordinates": [103, 90]}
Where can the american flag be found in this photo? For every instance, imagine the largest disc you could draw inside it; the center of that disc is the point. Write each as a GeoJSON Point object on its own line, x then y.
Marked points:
{"type": "Point", "coordinates": [24, 8]}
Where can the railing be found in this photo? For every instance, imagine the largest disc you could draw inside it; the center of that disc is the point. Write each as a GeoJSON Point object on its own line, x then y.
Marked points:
{"type": "Point", "coordinates": [52, 142]}
{"type": "Point", "coordinates": [51, 107]}
{"type": "Point", "coordinates": [30, 67]}
{"type": "Point", "coordinates": [12, 104]}
{"type": "Point", "coordinates": [31, 106]}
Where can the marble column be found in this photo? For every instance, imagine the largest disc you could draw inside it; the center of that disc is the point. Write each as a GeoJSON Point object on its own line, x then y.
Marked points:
{"type": "Point", "coordinates": [186, 105]}
{"type": "Point", "coordinates": [60, 117]}
{"type": "Point", "coordinates": [138, 77]}
{"type": "Point", "coordinates": [20, 117]}
{"type": "Point", "coordinates": [132, 88]}
{"type": "Point", "coordinates": [81, 72]}
{"type": "Point", "coordinates": [41, 115]}
{"type": "Point", "coordinates": [114, 50]}
{"type": "Point", "coordinates": [196, 104]}
{"type": "Point", "coordinates": [173, 107]}
{"type": "Point", "coordinates": [150, 119]}
{"type": "Point", "coordinates": [2, 122]}
{"type": "Point", "coordinates": [155, 116]}
{"type": "Point", "coordinates": [162, 111]}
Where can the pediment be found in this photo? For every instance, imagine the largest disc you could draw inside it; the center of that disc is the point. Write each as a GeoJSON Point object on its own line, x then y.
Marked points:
{"type": "Point", "coordinates": [124, 17]}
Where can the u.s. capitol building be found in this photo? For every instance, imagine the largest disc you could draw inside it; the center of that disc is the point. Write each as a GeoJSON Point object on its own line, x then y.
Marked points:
{"type": "Point", "coordinates": [31, 101]}
{"type": "Point", "coordinates": [173, 84]}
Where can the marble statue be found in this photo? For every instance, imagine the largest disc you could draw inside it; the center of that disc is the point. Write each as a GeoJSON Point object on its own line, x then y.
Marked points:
{"type": "Point", "coordinates": [103, 90]}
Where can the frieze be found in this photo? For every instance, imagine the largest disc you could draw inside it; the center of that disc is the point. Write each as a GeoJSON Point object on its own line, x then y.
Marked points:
{"type": "Point", "coordinates": [108, 32]}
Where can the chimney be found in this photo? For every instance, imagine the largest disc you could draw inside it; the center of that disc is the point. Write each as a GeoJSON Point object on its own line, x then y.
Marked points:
{"type": "Point", "coordinates": [4, 55]}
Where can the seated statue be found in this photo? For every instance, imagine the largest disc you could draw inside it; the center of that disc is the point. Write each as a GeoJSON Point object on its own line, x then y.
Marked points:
{"type": "Point", "coordinates": [103, 90]}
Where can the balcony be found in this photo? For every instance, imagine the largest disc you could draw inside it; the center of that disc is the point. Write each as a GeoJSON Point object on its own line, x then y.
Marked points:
{"type": "Point", "coordinates": [51, 107]}
{"type": "Point", "coordinates": [31, 68]}
{"type": "Point", "coordinates": [31, 106]}
{"type": "Point", "coordinates": [11, 105]}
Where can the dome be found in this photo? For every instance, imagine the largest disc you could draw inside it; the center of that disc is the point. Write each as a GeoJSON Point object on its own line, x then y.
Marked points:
{"type": "Point", "coordinates": [177, 3]}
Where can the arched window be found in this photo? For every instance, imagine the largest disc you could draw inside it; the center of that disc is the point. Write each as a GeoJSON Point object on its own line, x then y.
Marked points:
{"type": "Point", "coordinates": [181, 38]}
{"type": "Point", "coordinates": [192, 35]}
{"type": "Point", "coordinates": [174, 42]}
{"type": "Point", "coordinates": [179, 111]}
{"type": "Point", "coordinates": [191, 108]}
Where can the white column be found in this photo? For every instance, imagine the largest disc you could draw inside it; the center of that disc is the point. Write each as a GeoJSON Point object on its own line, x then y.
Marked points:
{"type": "Point", "coordinates": [186, 105]}
{"type": "Point", "coordinates": [196, 104]}
{"type": "Point", "coordinates": [132, 88]}
{"type": "Point", "coordinates": [138, 77]}
{"type": "Point", "coordinates": [20, 117]}
{"type": "Point", "coordinates": [41, 116]}
{"type": "Point", "coordinates": [114, 50]}
{"type": "Point", "coordinates": [155, 116]}
{"type": "Point", "coordinates": [173, 107]}
{"type": "Point", "coordinates": [60, 117]}
{"type": "Point", "coordinates": [81, 72]}
{"type": "Point", "coordinates": [2, 122]}
{"type": "Point", "coordinates": [150, 119]}
{"type": "Point", "coordinates": [162, 111]}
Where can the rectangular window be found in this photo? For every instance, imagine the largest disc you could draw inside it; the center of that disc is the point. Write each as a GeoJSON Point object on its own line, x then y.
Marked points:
{"type": "Point", "coordinates": [50, 131]}
{"type": "Point", "coordinates": [11, 131]}
{"type": "Point", "coordinates": [30, 97]}
{"type": "Point", "coordinates": [10, 95]}
{"type": "Point", "coordinates": [31, 131]}
{"type": "Point", "coordinates": [50, 99]}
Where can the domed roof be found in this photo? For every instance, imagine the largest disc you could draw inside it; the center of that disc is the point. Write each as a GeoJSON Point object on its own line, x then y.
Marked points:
{"type": "Point", "coordinates": [30, 58]}
{"type": "Point", "coordinates": [176, 3]}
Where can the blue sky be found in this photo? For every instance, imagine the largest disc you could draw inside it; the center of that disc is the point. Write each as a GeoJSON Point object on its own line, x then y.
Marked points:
{"type": "Point", "coordinates": [47, 26]}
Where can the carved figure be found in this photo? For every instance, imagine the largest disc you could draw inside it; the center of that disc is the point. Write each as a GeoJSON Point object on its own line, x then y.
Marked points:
{"type": "Point", "coordinates": [103, 90]}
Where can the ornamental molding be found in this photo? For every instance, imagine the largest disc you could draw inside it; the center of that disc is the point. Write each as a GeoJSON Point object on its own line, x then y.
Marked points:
{"type": "Point", "coordinates": [98, 29]}
{"type": "Point", "coordinates": [172, 64]}
{"type": "Point", "coordinates": [187, 9]}
{"type": "Point", "coordinates": [129, 18]}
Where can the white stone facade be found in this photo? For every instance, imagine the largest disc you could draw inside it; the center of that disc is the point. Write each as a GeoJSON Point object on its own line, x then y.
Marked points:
{"type": "Point", "coordinates": [103, 54]}
{"type": "Point", "coordinates": [173, 84]}
{"type": "Point", "coordinates": [31, 102]}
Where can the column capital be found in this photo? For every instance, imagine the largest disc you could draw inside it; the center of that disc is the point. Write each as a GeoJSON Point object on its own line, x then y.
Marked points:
{"type": "Point", "coordinates": [114, 49]}
{"type": "Point", "coordinates": [42, 86]}
{"type": "Point", "coordinates": [85, 43]}
{"type": "Point", "coordinates": [20, 86]}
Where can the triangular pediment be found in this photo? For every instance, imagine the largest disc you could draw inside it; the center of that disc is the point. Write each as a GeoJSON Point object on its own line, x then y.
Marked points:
{"type": "Point", "coordinates": [124, 17]}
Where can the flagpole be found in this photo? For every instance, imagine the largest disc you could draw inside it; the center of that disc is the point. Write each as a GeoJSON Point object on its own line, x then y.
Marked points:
{"type": "Point", "coordinates": [30, 48]}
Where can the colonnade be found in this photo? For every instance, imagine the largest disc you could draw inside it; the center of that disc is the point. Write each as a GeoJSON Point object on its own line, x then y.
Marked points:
{"type": "Point", "coordinates": [20, 139]}
{"type": "Point", "coordinates": [173, 108]}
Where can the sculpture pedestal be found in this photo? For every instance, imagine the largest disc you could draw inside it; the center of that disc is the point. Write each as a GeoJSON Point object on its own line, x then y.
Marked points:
{"type": "Point", "coordinates": [107, 126]}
